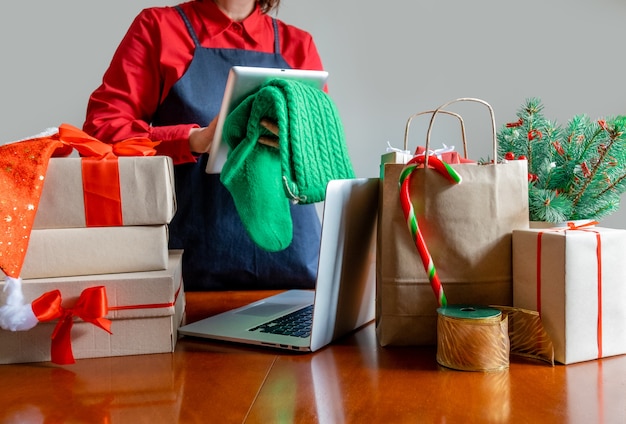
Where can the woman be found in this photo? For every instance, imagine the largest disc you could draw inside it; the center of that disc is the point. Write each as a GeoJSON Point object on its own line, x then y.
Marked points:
{"type": "Point", "coordinates": [165, 82]}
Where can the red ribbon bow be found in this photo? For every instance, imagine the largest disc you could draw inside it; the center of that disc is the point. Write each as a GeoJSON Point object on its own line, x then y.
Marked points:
{"type": "Point", "coordinates": [101, 179]}
{"type": "Point", "coordinates": [572, 225]}
{"type": "Point", "coordinates": [88, 146]}
{"type": "Point", "coordinates": [91, 307]}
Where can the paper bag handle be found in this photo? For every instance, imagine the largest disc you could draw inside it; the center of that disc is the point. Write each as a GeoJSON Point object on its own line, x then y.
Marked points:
{"type": "Point", "coordinates": [415, 115]}
{"type": "Point", "coordinates": [463, 99]}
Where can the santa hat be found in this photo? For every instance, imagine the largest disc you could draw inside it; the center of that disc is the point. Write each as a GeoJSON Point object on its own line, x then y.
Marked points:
{"type": "Point", "coordinates": [23, 166]}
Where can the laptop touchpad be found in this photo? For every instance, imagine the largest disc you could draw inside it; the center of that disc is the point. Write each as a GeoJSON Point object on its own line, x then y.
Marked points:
{"type": "Point", "coordinates": [265, 309]}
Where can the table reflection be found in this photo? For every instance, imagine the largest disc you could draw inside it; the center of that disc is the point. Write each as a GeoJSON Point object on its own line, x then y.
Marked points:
{"type": "Point", "coordinates": [596, 391]}
{"type": "Point", "coordinates": [106, 390]}
{"type": "Point", "coordinates": [352, 380]}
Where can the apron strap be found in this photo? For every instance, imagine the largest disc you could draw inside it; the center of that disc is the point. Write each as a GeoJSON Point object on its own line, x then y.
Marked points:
{"type": "Point", "coordinates": [276, 37]}
{"type": "Point", "coordinates": [192, 33]}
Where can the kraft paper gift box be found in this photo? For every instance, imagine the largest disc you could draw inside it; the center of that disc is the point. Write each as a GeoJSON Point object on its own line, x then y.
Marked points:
{"type": "Point", "coordinates": [145, 310]}
{"type": "Point", "coordinates": [576, 280]}
{"type": "Point", "coordinates": [145, 188]}
{"type": "Point", "coordinates": [63, 252]}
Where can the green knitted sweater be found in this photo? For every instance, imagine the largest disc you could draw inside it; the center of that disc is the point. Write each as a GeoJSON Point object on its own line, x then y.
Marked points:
{"type": "Point", "coordinates": [311, 151]}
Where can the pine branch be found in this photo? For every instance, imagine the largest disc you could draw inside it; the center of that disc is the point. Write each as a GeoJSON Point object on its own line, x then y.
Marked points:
{"type": "Point", "coordinates": [576, 174]}
{"type": "Point", "coordinates": [593, 171]}
{"type": "Point", "coordinates": [612, 187]}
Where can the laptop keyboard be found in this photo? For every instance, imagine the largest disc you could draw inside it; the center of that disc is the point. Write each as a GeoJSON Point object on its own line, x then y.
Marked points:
{"type": "Point", "coordinates": [297, 324]}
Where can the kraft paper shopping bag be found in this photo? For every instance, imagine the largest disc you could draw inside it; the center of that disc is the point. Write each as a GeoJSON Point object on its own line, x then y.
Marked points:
{"type": "Point", "coordinates": [468, 230]}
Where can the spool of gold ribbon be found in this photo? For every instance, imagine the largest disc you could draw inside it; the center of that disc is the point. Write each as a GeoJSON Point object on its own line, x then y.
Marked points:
{"type": "Point", "coordinates": [472, 338]}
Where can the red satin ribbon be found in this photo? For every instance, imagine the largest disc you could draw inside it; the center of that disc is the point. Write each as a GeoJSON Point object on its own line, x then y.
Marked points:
{"type": "Point", "coordinates": [89, 146]}
{"type": "Point", "coordinates": [100, 172]}
{"type": "Point", "coordinates": [573, 227]}
{"type": "Point", "coordinates": [149, 305]}
{"type": "Point", "coordinates": [101, 192]}
{"type": "Point", "coordinates": [90, 307]}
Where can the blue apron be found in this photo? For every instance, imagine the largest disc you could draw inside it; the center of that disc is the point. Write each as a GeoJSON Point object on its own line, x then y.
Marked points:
{"type": "Point", "coordinates": [218, 253]}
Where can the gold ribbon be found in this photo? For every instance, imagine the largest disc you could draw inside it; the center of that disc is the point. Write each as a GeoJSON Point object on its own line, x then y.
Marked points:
{"type": "Point", "coordinates": [472, 338]}
{"type": "Point", "coordinates": [482, 338]}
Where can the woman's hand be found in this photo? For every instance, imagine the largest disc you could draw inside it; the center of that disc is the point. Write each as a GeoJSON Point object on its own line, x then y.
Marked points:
{"type": "Point", "coordinates": [200, 139]}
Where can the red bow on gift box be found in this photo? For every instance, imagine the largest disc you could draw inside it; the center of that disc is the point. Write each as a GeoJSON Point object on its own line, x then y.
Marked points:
{"type": "Point", "coordinates": [100, 171]}
{"type": "Point", "coordinates": [87, 146]}
{"type": "Point", "coordinates": [91, 307]}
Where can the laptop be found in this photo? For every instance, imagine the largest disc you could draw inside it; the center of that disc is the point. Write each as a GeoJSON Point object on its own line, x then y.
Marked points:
{"type": "Point", "coordinates": [243, 81]}
{"type": "Point", "coordinates": [343, 299]}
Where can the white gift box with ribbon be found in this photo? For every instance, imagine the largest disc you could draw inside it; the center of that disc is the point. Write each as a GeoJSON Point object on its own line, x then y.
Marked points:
{"type": "Point", "coordinates": [575, 277]}
{"type": "Point", "coordinates": [142, 311]}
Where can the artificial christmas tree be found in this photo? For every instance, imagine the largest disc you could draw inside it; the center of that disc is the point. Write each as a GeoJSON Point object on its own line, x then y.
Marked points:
{"type": "Point", "coordinates": [575, 172]}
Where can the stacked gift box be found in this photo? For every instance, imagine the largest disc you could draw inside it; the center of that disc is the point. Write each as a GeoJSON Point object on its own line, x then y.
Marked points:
{"type": "Point", "coordinates": [103, 230]}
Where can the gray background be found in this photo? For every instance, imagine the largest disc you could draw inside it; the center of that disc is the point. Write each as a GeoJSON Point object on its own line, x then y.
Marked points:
{"type": "Point", "coordinates": [387, 60]}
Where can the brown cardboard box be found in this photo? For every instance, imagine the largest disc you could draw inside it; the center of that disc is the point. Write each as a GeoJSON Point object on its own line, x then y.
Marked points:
{"type": "Point", "coordinates": [146, 190]}
{"type": "Point", "coordinates": [64, 252]}
{"type": "Point", "coordinates": [575, 280]}
{"type": "Point", "coordinates": [156, 300]}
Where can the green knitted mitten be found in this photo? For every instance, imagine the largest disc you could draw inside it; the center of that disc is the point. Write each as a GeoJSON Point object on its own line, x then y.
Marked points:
{"type": "Point", "coordinates": [253, 174]}
{"type": "Point", "coordinates": [311, 152]}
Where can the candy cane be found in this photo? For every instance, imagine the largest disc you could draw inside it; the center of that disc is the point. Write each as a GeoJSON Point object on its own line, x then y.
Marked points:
{"type": "Point", "coordinates": [409, 214]}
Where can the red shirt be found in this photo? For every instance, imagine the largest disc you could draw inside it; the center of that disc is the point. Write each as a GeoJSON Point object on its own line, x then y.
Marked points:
{"type": "Point", "coordinates": [154, 54]}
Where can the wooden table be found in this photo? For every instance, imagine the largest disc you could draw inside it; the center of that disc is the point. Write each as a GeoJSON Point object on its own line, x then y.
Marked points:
{"type": "Point", "coordinates": [352, 381]}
